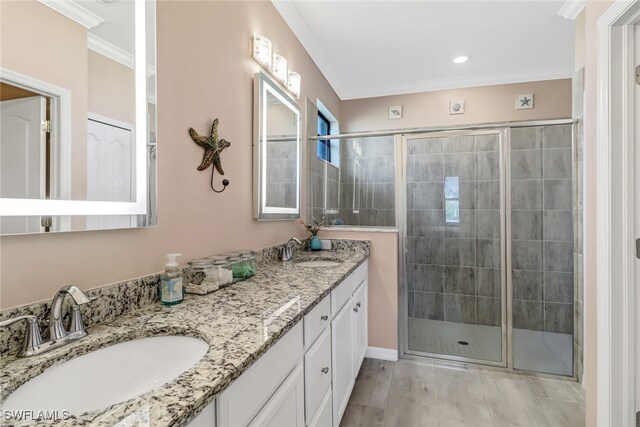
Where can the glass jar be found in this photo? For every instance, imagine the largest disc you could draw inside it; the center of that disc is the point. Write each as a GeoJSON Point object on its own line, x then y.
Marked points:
{"type": "Point", "coordinates": [243, 266]}
{"type": "Point", "coordinates": [197, 270]}
{"type": "Point", "coordinates": [221, 273]}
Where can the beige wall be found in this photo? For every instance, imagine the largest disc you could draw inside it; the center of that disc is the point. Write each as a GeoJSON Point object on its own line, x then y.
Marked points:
{"type": "Point", "coordinates": [383, 285]}
{"type": "Point", "coordinates": [482, 105]}
{"type": "Point", "coordinates": [204, 71]}
{"type": "Point", "coordinates": [111, 89]}
{"type": "Point", "coordinates": [51, 48]}
{"type": "Point", "coordinates": [593, 11]}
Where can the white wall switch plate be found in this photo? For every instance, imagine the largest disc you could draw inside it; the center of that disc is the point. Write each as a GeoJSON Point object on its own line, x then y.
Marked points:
{"type": "Point", "coordinates": [325, 245]}
{"type": "Point", "coordinates": [456, 106]}
{"type": "Point", "coordinates": [524, 102]}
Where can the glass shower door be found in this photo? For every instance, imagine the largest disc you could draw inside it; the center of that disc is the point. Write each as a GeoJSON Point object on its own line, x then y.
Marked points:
{"type": "Point", "coordinates": [454, 275]}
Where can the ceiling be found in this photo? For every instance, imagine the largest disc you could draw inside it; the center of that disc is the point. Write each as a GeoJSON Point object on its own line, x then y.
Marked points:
{"type": "Point", "coordinates": [377, 48]}
{"type": "Point", "coordinates": [118, 27]}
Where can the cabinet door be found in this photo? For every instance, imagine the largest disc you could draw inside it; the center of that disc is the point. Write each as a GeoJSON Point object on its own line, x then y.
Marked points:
{"type": "Point", "coordinates": [206, 418]}
{"type": "Point", "coordinates": [286, 406]}
{"type": "Point", "coordinates": [359, 313]}
{"type": "Point", "coordinates": [342, 360]}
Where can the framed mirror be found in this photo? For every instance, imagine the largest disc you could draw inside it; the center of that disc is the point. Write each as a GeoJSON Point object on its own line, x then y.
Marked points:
{"type": "Point", "coordinates": [276, 151]}
{"type": "Point", "coordinates": [78, 112]}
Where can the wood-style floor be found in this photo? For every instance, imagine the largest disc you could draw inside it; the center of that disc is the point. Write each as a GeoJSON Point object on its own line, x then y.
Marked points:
{"type": "Point", "coordinates": [411, 393]}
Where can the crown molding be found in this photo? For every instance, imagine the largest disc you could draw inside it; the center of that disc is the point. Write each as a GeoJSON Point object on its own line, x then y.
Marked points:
{"type": "Point", "coordinates": [457, 83]}
{"type": "Point", "coordinates": [571, 9]}
{"type": "Point", "coordinates": [113, 52]}
{"type": "Point", "coordinates": [74, 11]}
{"type": "Point", "coordinates": [293, 18]}
{"type": "Point", "coordinates": [110, 50]}
{"type": "Point", "coordinates": [296, 22]}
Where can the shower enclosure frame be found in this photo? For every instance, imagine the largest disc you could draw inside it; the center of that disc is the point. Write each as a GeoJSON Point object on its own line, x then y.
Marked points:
{"type": "Point", "coordinates": [504, 128]}
{"type": "Point", "coordinates": [401, 223]}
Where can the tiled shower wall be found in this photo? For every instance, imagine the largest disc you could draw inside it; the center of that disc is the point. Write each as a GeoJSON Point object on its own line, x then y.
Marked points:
{"type": "Point", "coordinates": [542, 228]}
{"type": "Point", "coordinates": [367, 181]}
{"type": "Point", "coordinates": [324, 183]}
{"type": "Point", "coordinates": [361, 192]}
{"type": "Point", "coordinates": [454, 269]}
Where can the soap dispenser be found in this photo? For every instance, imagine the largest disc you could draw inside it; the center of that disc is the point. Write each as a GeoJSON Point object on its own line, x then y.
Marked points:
{"type": "Point", "coordinates": [171, 290]}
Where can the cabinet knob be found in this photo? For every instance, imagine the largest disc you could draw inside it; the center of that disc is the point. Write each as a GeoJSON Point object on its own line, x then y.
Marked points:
{"type": "Point", "coordinates": [325, 370]}
{"type": "Point", "coordinates": [325, 317]}
{"type": "Point", "coordinates": [355, 309]}
{"type": "Point", "coordinates": [359, 304]}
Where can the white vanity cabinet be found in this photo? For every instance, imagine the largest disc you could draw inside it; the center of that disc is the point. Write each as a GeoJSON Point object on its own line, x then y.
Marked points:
{"type": "Point", "coordinates": [206, 418]}
{"type": "Point", "coordinates": [286, 407]}
{"type": "Point", "coordinates": [271, 390]}
{"type": "Point", "coordinates": [348, 336]}
{"type": "Point", "coordinates": [342, 361]}
{"type": "Point", "coordinates": [360, 315]}
{"type": "Point", "coordinates": [306, 378]}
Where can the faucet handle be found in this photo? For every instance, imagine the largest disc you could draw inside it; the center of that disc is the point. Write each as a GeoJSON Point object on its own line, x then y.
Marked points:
{"type": "Point", "coordinates": [32, 337]}
{"type": "Point", "coordinates": [76, 325]}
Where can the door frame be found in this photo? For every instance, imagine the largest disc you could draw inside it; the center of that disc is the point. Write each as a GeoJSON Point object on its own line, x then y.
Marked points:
{"type": "Point", "coordinates": [61, 134]}
{"type": "Point", "coordinates": [615, 372]}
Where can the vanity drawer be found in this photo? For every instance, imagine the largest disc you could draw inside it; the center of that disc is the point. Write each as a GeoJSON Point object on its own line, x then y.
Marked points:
{"type": "Point", "coordinates": [246, 396]}
{"type": "Point", "coordinates": [341, 294]}
{"type": "Point", "coordinates": [316, 321]}
{"type": "Point", "coordinates": [317, 373]}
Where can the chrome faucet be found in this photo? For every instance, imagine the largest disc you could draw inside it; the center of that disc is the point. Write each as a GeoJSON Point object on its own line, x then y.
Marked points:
{"type": "Point", "coordinates": [59, 336]}
{"type": "Point", "coordinates": [56, 328]}
{"type": "Point", "coordinates": [289, 249]}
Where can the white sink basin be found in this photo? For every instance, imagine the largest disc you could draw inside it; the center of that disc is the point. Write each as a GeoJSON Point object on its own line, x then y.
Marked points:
{"type": "Point", "coordinates": [109, 375]}
{"type": "Point", "coordinates": [319, 263]}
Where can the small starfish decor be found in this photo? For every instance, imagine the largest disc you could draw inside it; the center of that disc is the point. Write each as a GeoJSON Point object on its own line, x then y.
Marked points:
{"type": "Point", "coordinates": [212, 149]}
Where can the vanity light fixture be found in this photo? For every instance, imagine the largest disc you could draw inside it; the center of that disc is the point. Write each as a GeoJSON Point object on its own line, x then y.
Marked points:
{"type": "Point", "coordinates": [460, 59]}
{"type": "Point", "coordinates": [275, 64]}
{"type": "Point", "coordinates": [261, 50]}
{"type": "Point", "coordinates": [279, 68]}
{"type": "Point", "coordinates": [293, 83]}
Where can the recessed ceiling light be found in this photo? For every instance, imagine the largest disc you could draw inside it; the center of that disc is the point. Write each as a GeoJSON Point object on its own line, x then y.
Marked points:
{"type": "Point", "coordinates": [460, 59]}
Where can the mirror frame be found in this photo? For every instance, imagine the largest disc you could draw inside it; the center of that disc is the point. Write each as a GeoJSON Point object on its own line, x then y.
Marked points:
{"type": "Point", "coordinates": [49, 207]}
{"type": "Point", "coordinates": [262, 85]}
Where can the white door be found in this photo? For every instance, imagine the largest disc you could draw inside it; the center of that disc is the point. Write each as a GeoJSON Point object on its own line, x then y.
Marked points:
{"type": "Point", "coordinates": [359, 326]}
{"type": "Point", "coordinates": [110, 162]}
{"type": "Point", "coordinates": [22, 157]}
{"type": "Point", "coordinates": [637, 214]}
{"type": "Point", "coordinates": [343, 375]}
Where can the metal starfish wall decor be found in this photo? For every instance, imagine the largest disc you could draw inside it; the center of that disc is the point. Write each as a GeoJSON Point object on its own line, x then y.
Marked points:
{"type": "Point", "coordinates": [212, 149]}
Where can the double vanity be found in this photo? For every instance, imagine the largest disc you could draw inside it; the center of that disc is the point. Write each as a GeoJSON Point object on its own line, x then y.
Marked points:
{"type": "Point", "coordinates": [282, 349]}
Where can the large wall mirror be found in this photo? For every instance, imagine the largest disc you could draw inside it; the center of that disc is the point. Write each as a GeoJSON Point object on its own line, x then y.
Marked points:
{"type": "Point", "coordinates": [78, 113]}
{"type": "Point", "coordinates": [276, 151]}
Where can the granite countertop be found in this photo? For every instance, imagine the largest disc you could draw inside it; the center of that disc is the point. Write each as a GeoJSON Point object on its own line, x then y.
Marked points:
{"type": "Point", "coordinates": [237, 322]}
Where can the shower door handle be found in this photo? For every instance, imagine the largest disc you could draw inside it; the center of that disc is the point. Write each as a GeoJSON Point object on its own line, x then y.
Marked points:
{"type": "Point", "coordinates": [638, 248]}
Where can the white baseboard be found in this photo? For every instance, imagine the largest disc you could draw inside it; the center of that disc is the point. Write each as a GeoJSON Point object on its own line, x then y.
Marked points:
{"type": "Point", "coordinates": [379, 353]}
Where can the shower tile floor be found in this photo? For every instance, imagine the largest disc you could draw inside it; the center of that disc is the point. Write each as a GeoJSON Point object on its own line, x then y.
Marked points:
{"type": "Point", "coordinates": [535, 351]}
{"type": "Point", "coordinates": [411, 393]}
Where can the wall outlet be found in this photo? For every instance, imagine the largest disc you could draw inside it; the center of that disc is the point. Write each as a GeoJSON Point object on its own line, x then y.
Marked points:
{"type": "Point", "coordinates": [325, 245]}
